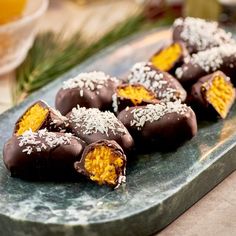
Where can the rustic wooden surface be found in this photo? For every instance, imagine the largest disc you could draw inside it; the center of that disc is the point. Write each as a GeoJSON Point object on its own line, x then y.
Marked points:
{"type": "Point", "coordinates": [215, 214]}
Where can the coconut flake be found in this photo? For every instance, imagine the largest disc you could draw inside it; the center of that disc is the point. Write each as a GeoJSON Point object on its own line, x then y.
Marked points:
{"type": "Point", "coordinates": [202, 34]}
{"type": "Point", "coordinates": [92, 81]}
{"type": "Point", "coordinates": [151, 113]}
{"type": "Point", "coordinates": [212, 59]}
{"type": "Point", "coordinates": [142, 73]}
{"type": "Point", "coordinates": [93, 120]}
{"type": "Point", "coordinates": [41, 140]}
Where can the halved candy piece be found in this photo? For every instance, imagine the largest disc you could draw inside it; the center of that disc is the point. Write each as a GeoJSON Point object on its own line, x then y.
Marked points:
{"type": "Point", "coordinates": [165, 86]}
{"type": "Point", "coordinates": [213, 95]}
{"type": "Point", "coordinates": [90, 90]}
{"type": "Point", "coordinates": [169, 57]}
{"type": "Point", "coordinates": [103, 162]}
{"type": "Point", "coordinates": [129, 95]}
{"type": "Point", "coordinates": [39, 116]}
{"type": "Point", "coordinates": [42, 155]}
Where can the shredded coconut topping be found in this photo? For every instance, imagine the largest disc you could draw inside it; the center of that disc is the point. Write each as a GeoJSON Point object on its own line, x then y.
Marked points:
{"type": "Point", "coordinates": [58, 118]}
{"type": "Point", "coordinates": [151, 113]}
{"type": "Point", "coordinates": [202, 34]}
{"type": "Point", "coordinates": [93, 120]}
{"type": "Point", "coordinates": [142, 73]}
{"type": "Point", "coordinates": [41, 140]}
{"type": "Point", "coordinates": [93, 81]}
{"type": "Point", "coordinates": [211, 59]}
{"type": "Point", "coordinates": [114, 102]}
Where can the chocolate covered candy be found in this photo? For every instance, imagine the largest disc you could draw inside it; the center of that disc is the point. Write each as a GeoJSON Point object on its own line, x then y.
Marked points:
{"type": "Point", "coordinates": [42, 155]}
{"type": "Point", "coordinates": [92, 125]}
{"type": "Point", "coordinates": [165, 86]}
{"type": "Point", "coordinates": [161, 126]}
{"type": "Point", "coordinates": [213, 95]}
{"type": "Point", "coordinates": [39, 116]}
{"type": "Point", "coordinates": [198, 34]}
{"type": "Point", "coordinates": [202, 63]}
{"type": "Point", "coordinates": [169, 57]}
{"type": "Point", "coordinates": [91, 90]}
{"type": "Point", "coordinates": [129, 95]}
{"type": "Point", "coordinates": [103, 162]}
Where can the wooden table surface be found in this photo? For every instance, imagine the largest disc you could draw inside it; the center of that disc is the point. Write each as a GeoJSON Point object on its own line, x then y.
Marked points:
{"type": "Point", "coordinates": [215, 214]}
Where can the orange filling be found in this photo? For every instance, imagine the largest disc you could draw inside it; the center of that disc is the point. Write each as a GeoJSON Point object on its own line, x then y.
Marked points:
{"type": "Point", "coordinates": [104, 165]}
{"type": "Point", "coordinates": [136, 94]}
{"type": "Point", "coordinates": [32, 119]}
{"type": "Point", "coordinates": [167, 57]}
{"type": "Point", "coordinates": [220, 95]}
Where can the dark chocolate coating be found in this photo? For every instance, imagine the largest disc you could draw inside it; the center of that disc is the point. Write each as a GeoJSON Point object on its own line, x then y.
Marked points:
{"type": "Point", "coordinates": [124, 139]}
{"type": "Point", "coordinates": [171, 83]}
{"type": "Point", "coordinates": [123, 102]}
{"type": "Point", "coordinates": [174, 84]}
{"type": "Point", "coordinates": [193, 72]}
{"type": "Point", "coordinates": [179, 61]}
{"type": "Point", "coordinates": [167, 133]}
{"type": "Point", "coordinates": [101, 98]}
{"type": "Point", "coordinates": [115, 147]}
{"type": "Point", "coordinates": [50, 164]}
{"type": "Point", "coordinates": [198, 100]}
{"type": "Point", "coordinates": [176, 36]}
{"type": "Point", "coordinates": [54, 121]}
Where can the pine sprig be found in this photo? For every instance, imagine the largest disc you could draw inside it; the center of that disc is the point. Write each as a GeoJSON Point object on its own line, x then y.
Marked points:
{"type": "Point", "coordinates": [51, 55]}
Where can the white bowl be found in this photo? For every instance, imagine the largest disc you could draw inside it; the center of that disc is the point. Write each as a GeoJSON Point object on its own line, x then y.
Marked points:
{"type": "Point", "coordinates": [16, 38]}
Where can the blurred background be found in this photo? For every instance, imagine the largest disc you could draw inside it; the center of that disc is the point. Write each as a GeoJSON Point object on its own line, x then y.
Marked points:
{"type": "Point", "coordinates": [42, 39]}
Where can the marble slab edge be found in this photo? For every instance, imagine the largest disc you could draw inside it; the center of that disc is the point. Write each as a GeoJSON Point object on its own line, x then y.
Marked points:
{"type": "Point", "coordinates": [156, 218]}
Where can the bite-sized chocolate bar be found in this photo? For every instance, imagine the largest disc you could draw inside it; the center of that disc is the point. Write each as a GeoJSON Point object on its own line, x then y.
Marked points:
{"type": "Point", "coordinates": [90, 90]}
{"type": "Point", "coordinates": [213, 95]}
{"type": "Point", "coordinates": [92, 125]}
{"type": "Point", "coordinates": [103, 162]}
{"type": "Point", "coordinates": [42, 155]}
{"type": "Point", "coordinates": [169, 57]}
{"type": "Point", "coordinates": [221, 58]}
{"type": "Point", "coordinates": [165, 86]}
{"type": "Point", "coordinates": [39, 116]}
{"type": "Point", "coordinates": [129, 95]}
{"type": "Point", "coordinates": [199, 35]}
{"type": "Point", "coordinates": [162, 126]}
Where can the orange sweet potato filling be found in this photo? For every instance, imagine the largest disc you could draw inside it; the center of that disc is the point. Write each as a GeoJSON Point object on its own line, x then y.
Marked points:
{"type": "Point", "coordinates": [167, 57]}
{"type": "Point", "coordinates": [136, 94]}
{"type": "Point", "coordinates": [220, 95]}
{"type": "Point", "coordinates": [32, 119]}
{"type": "Point", "coordinates": [103, 165]}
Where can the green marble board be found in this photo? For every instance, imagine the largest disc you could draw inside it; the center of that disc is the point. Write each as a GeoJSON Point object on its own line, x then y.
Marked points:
{"type": "Point", "coordinates": [159, 186]}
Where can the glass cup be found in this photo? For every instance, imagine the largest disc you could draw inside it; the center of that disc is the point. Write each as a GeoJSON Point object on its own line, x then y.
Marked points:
{"type": "Point", "coordinates": [16, 37]}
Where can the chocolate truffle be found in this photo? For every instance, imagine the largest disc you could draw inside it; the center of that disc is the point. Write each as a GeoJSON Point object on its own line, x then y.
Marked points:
{"type": "Point", "coordinates": [162, 126]}
{"type": "Point", "coordinates": [103, 162]}
{"type": "Point", "coordinates": [165, 86]}
{"type": "Point", "coordinates": [202, 63]}
{"type": "Point", "coordinates": [169, 57]}
{"type": "Point", "coordinates": [198, 34]}
{"type": "Point", "coordinates": [129, 95]}
{"type": "Point", "coordinates": [90, 90]}
{"type": "Point", "coordinates": [42, 155]}
{"type": "Point", "coordinates": [92, 125]}
{"type": "Point", "coordinates": [213, 95]}
{"type": "Point", "coordinates": [39, 116]}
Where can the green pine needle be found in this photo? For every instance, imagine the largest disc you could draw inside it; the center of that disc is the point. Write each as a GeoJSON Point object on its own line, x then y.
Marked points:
{"type": "Point", "coordinates": [51, 56]}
